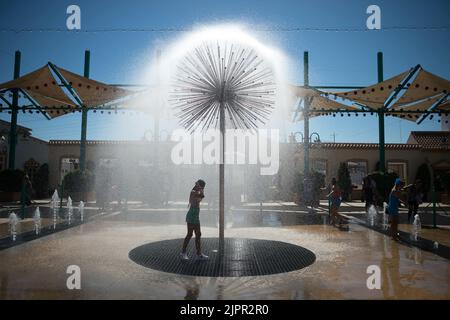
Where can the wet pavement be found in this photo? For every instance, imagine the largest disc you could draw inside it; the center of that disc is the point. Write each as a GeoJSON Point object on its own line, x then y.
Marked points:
{"type": "Point", "coordinates": [37, 269]}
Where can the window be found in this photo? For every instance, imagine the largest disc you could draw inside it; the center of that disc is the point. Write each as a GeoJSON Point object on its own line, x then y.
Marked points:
{"type": "Point", "coordinates": [358, 170]}
{"type": "Point", "coordinates": [398, 167]}
{"type": "Point", "coordinates": [68, 165]}
{"type": "Point", "coordinates": [320, 165]}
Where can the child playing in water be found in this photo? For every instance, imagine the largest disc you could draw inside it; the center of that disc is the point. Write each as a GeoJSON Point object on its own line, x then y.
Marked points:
{"type": "Point", "coordinates": [394, 203]}
{"type": "Point", "coordinates": [193, 220]}
{"type": "Point", "coordinates": [335, 202]}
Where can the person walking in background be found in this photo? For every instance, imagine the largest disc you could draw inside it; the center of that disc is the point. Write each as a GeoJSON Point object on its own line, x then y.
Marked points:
{"type": "Point", "coordinates": [193, 221]}
{"type": "Point", "coordinates": [27, 190]}
{"type": "Point", "coordinates": [414, 199]}
{"type": "Point", "coordinates": [370, 191]}
{"type": "Point", "coordinates": [26, 195]}
{"type": "Point", "coordinates": [394, 204]}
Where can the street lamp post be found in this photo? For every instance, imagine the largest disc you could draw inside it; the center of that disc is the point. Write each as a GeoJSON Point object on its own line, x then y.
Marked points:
{"type": "Point", "coordinates": [307, 145]}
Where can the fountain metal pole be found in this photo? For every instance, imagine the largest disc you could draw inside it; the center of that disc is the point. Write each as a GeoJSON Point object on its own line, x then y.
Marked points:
{"type": "Point", "coordinates": [222, 180]}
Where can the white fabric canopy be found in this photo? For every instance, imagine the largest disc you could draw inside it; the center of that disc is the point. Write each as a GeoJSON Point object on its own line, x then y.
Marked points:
{"type": "Point", "coordinates": [301, 92]}
{"type": "Point", "coordinates": [91, 92]}
{"type": "Point", "coordinates": [319, 103]}
{"type": "Point", "coordinates": [41, 82]}
{"type": "Point", "coordinates": [425, 85]}
{"type": "Point", "coordinates": [44, 101]}
{"type": "Point", "coordinates": [421, 105]}
{"type": "Point", "coordinates": [445, 106]}
{"type": "Point", "coordinates": [373, 96]}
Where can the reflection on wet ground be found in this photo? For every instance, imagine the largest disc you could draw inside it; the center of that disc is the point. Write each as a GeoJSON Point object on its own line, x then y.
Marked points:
{"type": "Point", "coordinates": [234, 218]}
{"type": "Point", "coordinates": [37, 269]}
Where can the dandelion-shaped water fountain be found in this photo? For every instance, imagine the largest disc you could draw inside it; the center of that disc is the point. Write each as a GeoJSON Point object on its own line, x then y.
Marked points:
{"type": "Point", "coordinates": [13, 221]}
{"type": "Point", "coordinates": [69, 210]}
{"type": "Point", "coordinates": [81, 210]}
{"type": "Point", "coordinates": [54, 206]}
{"type": "Point", "coordinates": [37, 221]}
{"type": "Point", "coordinates": [220, 80]}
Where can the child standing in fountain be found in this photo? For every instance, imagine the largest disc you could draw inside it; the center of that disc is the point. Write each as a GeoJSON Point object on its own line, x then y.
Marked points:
{"type": "Point", "coordinates": [394, 204]}
{"type": "Point", "coordinates": [193, 220]}
{"type": "Point", "coordinates": [335, 202]}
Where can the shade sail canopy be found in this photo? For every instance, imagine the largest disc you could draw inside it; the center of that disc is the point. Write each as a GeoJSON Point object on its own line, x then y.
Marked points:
{"type": "Point", "coordinates": [301, 92]}
{"type": "Point", "coordinates": [45, 89]}
{"type": "Point", "coordinates": [322, 103]}
{"type": "Point", "coordinates": [445, 106]}
{"type": "Point", "coordinates": [373, 96]}
{"type": "Point", "coordinates": [93, 93]}
{"type": "Point", "coordinates": [424, 86]}
{"type": "Point", "coordinates": [420, 105]}
{"type": "Point", "coordinates": [318, 101]}
{"type": "Point", "coordinates": [50, 103]}
{"type": "Point", "coordinates": [42, 83]}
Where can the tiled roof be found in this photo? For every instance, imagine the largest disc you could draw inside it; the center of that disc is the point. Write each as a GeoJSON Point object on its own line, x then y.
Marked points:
{"type": "Point", "coordinates": [345, 145]}
{"type": "Point", "coordinates": [432, 139]}
{"type": "Point", "coordinates": [97, 142]}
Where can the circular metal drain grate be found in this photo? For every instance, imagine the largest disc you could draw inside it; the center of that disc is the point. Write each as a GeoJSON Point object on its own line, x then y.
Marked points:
{"type": "Point", "coordinates": [242, 257]}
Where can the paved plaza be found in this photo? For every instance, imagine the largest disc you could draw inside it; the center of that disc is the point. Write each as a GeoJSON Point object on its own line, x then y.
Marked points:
{"type": "Point", "coordinates": [100, 247]}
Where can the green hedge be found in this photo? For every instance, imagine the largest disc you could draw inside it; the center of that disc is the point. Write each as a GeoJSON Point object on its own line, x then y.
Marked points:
{"type": "Point", "coordinates": [77, 181]}
{"type": "Point", "coordinates": [318, 183]}
{"type": "Point", "coordinates": [384, 185]}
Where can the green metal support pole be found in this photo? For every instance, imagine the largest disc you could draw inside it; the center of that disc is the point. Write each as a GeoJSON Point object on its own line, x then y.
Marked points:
{"type": "Point", "coordinates": [433, 191]}
{"type": "Point", "coordinates": [306, 112]}
{"type": "Point", "coordinates": [14, 112]}
{"type": "Point", "coordinates": [381, 117]}
{"type": "Point", "coordinates": [84, 114]}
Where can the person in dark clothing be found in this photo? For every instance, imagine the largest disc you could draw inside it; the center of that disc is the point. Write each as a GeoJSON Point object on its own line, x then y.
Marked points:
{"type": "Point", "coordinates": [193, 221]}
{"type": "Point", "coordinates": [414, 199]}
{"type": "Point", "coordinates": [395, 198]}
{"type": "Point", "coordinates": [369, 188]}
{"type": "Point", "coordinates": [27, 190]}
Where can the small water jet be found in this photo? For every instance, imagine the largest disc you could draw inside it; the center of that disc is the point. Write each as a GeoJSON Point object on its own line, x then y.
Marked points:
{"type": "Point", "coordinates": [37, 221]}
{"type": "Point", "coordinates": [417, 227]}
{"type": "Point", "coordinates": [69, 210]}
{"type": "Point", "coordinates": [54, 207]}
{"type": "Point", "coordinates": [385, 216]}
{"type": "Point", "coordinates": [81, 210]}
{"type": "Point", "coordinates": [13, 221]}
{"type": "Point", "coordinates": [371, 215]}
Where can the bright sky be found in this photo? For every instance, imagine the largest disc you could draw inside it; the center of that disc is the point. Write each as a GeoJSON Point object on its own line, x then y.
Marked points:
{"type": "Point", "coordinates": [336, 58]}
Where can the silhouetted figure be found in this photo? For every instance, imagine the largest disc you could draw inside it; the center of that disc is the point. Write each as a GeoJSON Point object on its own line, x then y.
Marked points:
{"type": "Point", "coordinates": [394, 204]}
{"type": "Point", "coordinates": [193, 220]}
{"type": "Point", "coordinates": [369, 188]}
{"type": "Point", "coordinates": [414, 199]}
{"type": "Point", "coordinates": [27, 190]}
{"type": "Point", "coordinates": [335, 198]}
